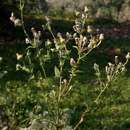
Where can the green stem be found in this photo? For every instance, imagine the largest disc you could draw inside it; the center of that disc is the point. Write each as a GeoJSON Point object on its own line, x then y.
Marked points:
{"type": "Point", "coordinates": [43, 69]}
{"type": "Point", "coordinates": [90, 51]}
{"type": "Point", "coordinates": [102, 91]}
{"type": "Point", "coordinates": [22, 18]}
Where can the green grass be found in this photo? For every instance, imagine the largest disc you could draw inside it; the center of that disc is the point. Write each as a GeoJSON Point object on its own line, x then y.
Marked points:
{"type": "Point", "coordinates": [112, 113]}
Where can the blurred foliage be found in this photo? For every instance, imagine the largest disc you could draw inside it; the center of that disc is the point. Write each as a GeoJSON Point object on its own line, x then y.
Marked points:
{"type": "Point", "coordinates": [111, 9]}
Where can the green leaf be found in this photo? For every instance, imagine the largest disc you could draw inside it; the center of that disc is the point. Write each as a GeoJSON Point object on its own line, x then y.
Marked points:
{"type": "Point", "coordinates": [57, 72]}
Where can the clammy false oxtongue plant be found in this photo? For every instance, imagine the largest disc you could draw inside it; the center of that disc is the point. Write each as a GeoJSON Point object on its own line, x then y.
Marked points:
{"type": "Point", "coordinates": [85, 40]}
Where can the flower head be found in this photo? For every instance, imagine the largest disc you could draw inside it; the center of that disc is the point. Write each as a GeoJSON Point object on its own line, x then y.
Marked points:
{"type": "Point", "coordinates": [72, 62]}
{"type": "Point", "coordinates": [18, 56]}
{"type": "Point", "coordinates": [101, 36]}
{"type": "Point", "coordinates": [128, 55]}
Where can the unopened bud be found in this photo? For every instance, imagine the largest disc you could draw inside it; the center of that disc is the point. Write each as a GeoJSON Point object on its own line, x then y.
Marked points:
{"type": "Point", "coordinates": [108, 78]}
{"type": "Point", "coordinates": [47, 19]}
{"type": "Point", "coordinates": [39, 33]}
{"type": "Point", "coordinates": [12, 17]}
{"type": "Point", "coordinates": [110, 64]}
{"type": "Point", "coordinates": [96, 66]}
{"type": "Point", "coordinates": [17, 22]}
{"type": "Point", "coordinates": [27, 41]}
{"type": "Point", "coordinates": [65, 81]}
{"type": "Point", "coordinates": [77, 13]}
{"type": "Point", "coordinates": [89, 29]}
{"type": "Point", "coordinates": [72, 62]}
{"type": "Point", "coordinates": [1, 58]}
{"type": "Point", "coordinates": [128, 55]}
{"type": "Point", "coordinates": [116, 59]}
{"type": "Point", "coordinates": [84, 39]}
{"type": "Point", "coordinates": [83, 16]}
{"type": "Point", "coordinates": [18, 56]}
{"type": "Point", "coordinates": [101, 36]}
{"type": "Point", "coordinates": [60, 37]}
{"type": "Point", "coordinates": [86, 9]}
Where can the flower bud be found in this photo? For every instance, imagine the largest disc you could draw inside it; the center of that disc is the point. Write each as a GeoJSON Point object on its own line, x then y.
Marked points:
{"type": "Point", "coordinates": [68, 35]}
{"type": "Point", "coordinates": [77, 13]}
{"type": "Point", "coordinates": [18, 66]}
{"type": "Point", "coordinates": [128, 55]}
{"type": "Point", "coordinates": [12, 18]}
{"type": "Point", "coordinates": [101, 36]}
{"type": "Point", "coordinates": [74, 35]}
{"type": "Point", "coordinates": [39, 33]}
{"type": "Point", "coordinates": [83, 16]}
{"type": "Point", "coordinates": [108, 78]}
{"type": "Point", "coordinates": [27, 41]}
{"type": "Point", "coordinates": [65, 82]}
{"type": "Point", "coordinates": [1, 59]}
{"type": "Point", "coordinates": [17, 22]}
{"type": "Point", "coordinates": [47, 19]}
{"type": "Point", "coordinates": [34, 32]}
{"type": "Point", "coordinates": [116, 59]}
{"type": "Point", "coordinates": [72, 62]}
{"type": "Point", "coordinates": [60, 37]}
{"type": "Point", "coordinates": [48, 43]}
{"type": "Point", "coordinates": [84, 39]}
{"type": "Point", "coordinates": [86, 9]}
{"type": "Point", "coordinates": [107, 69]}
{"type": "Point", "coordinates": [110, 64]}
{"type": "Point", "coordinates": [96, 66]}
{"type": "Point", "coordinates": [89, 29]}
{"type": "Point", "coordinates": [18, 56]}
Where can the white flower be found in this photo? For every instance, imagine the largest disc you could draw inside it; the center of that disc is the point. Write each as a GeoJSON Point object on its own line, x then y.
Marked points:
{"type": "Point", "coordinates": [89, 29]}
{"type": "Point", "coordinates": [86, 9]}
{"type": "Point", "coordinates": [96, 66]}
{"type": "Point", "coordinates": [128, 55]}
{"type": "Point", "coordinates": [12, 17]}
{"type": "Point", "coordinates": [84, 39]}
{"type": "Point", "coordinates": [72, 62]}
{"type": "Point", "coordinates": [5, 128]}
{"type": "Point", "coordinates": [39, 33]}
{"type": "Point", "coordinates": [27, 41]}
{"type": "Point", "coordinates": [1, 58]}
{"type": "Point", "coordinates": [18, 66]}
{"type": "Point", "coordinates": [5, 72]}
{"type": "Point", "coordinates": [18, 56]}
{"type": "Point", "coordinates": [77, 13]}
{"type": "Point", "coordinates": [47, 19]}
{"type": "Point", "coordinates": [101, 36]}
{"type": "Point", "coordinates": [17, 22]}
{"type": "Point", "coordinates": [48, 42]}
{"type": "Point", "coordinates": [83, 16]}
